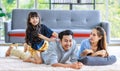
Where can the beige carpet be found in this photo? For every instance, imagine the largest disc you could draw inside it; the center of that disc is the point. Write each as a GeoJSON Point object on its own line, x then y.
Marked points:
{"type": "Point", "coordinates": [15, 64]}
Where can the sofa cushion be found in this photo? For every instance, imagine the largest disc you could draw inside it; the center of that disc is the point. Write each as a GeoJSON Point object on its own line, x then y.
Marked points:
{"type": "Point", "coordinates": [77, 32]}
{"type": "Point", "coordinates": [17, 33]}
{"type": "Point", "coordinates": [80, 22]}
{"type": "Point", "coordinates": [97, 61]}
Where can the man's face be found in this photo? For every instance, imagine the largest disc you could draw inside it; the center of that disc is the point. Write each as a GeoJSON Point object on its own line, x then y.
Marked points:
{"type": "Point", "coordinates": [66, 42]}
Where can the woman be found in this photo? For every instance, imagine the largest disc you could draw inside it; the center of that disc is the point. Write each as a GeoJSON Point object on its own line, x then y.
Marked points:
{"type": "Point", "coordinates": [95, 45]}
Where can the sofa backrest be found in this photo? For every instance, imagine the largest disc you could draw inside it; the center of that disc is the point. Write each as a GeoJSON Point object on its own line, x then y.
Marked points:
{"type": "Point", "coordinates": [73, 19]}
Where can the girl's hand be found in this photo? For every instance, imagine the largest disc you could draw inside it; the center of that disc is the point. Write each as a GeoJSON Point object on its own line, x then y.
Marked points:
{"type": "Point", "coordinates": [55, 35]}
{"type": "Point", "coordinates": [52, 39]}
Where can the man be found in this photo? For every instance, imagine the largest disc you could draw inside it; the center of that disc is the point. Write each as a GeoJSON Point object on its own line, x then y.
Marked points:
{"type": "Point", "coordinates": [62, 53]}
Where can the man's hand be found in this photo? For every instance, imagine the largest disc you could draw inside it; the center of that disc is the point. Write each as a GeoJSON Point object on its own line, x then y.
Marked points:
{"type": "Point", "coordinates": [76, 65]}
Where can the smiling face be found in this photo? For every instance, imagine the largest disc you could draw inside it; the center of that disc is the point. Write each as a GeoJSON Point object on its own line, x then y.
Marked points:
{"type": "Point", "coordinates": [94, 38]}
{"type": "Point", "coordinates": [66, 42]}
{"type": "Point", "coordinates": [34, 20]}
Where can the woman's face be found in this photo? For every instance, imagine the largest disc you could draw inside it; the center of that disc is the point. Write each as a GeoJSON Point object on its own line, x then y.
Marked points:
{"type": "Point", "coordinates": [34, 20]}
{"type": "Point", "coordinates": [94, 36]}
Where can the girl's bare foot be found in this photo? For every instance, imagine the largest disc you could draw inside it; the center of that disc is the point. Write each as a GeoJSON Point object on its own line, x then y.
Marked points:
{"type": "Point", "coordinates": [26, 47]}
{"type": "Point", "coordinates": [10, 48]}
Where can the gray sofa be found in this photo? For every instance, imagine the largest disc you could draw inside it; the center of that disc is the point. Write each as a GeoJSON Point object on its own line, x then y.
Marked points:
{"type": "Point", "coordinates": [79, 21]}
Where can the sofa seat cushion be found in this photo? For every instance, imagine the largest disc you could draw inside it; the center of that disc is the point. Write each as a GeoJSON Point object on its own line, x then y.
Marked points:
{"type": "Point", "coordinates": [77, 32]}
{"type": "Point", "coordinates": [98, 61]}
{"type": "Point", "coordinates": [81, 32]}
{"type": "Point", "coordinates": [17, 33]}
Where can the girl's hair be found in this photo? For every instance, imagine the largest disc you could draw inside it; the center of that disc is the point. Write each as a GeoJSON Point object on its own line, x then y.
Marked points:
{"type": "Point", "coordinates": [30, 27]}
{"type": "Point", "coordinates": [65, 32]}
{"type": "Point", "coordinates": [102, 44]}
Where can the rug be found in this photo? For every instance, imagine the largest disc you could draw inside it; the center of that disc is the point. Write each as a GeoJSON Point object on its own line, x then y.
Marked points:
{"type": "Point", "coordinates": [15, 64]}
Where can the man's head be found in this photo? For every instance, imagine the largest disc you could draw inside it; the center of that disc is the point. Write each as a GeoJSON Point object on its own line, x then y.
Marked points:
{"type": "Point", "coordinates": [66, 38]}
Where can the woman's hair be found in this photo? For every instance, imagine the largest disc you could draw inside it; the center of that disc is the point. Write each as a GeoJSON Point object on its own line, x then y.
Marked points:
{"type": "Point", "coordinates": [31, 27]}
{"type": "Point", "coordinates": [65, 32]}
{"type": "Point", "coordinates": [102, 44]}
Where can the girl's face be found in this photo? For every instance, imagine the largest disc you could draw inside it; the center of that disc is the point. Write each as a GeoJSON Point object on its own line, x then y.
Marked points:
{"type": "Point", "coordinates": [34, 20]}
{"type": "Point", "coordinates": [94, 36]}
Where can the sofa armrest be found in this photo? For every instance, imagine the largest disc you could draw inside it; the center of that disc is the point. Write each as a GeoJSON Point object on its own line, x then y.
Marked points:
{"type": "Point", "coordinates": [106, 27]}
{"type": "Point", "coordinates": [7, 28]}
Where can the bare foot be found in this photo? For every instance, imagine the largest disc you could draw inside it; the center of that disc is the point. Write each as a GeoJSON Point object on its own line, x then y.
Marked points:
{"type": "Point", "coordinates": [15, 45]}
{"type": "Point", "coordinates": [26, 47]}
{"type": "Point", "coordinates": [10, 48]}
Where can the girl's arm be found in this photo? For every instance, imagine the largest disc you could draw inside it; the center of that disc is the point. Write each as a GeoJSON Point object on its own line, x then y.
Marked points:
{"type": "Point", "coordinates": [45, 38]}
{"type": "Point", "coordinates": [54, 34]}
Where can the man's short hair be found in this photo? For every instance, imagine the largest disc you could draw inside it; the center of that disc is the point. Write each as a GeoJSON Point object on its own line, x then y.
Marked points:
{"type": "Point", "coordinates": [65, 32]}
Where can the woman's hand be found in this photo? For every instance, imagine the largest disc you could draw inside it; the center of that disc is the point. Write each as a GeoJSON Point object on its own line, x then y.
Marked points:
{"type": "Point", "coordinates": [87, 52]}
{"type": "Point", "coordinates": [101, 53]}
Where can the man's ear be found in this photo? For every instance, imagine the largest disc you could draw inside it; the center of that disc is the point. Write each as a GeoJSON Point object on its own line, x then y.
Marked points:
{"type": "Point", "coordinates": [60, 41]}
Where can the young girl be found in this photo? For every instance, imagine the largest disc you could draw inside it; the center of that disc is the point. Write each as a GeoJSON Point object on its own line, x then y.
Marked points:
{"type": "Point", "coordinates": [95, 45]}
{"type": "Point", "coordinates": [37, 37]}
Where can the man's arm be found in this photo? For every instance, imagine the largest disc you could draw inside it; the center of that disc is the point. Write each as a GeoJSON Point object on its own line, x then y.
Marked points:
{"type": "Point", "coordinates": [74, 53]}
{"type": "Point", "coordinates": [76, 65]}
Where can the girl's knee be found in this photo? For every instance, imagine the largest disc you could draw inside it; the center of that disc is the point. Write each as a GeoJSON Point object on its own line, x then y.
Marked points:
{"type": "Point", "coordinates": [38, 62]}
